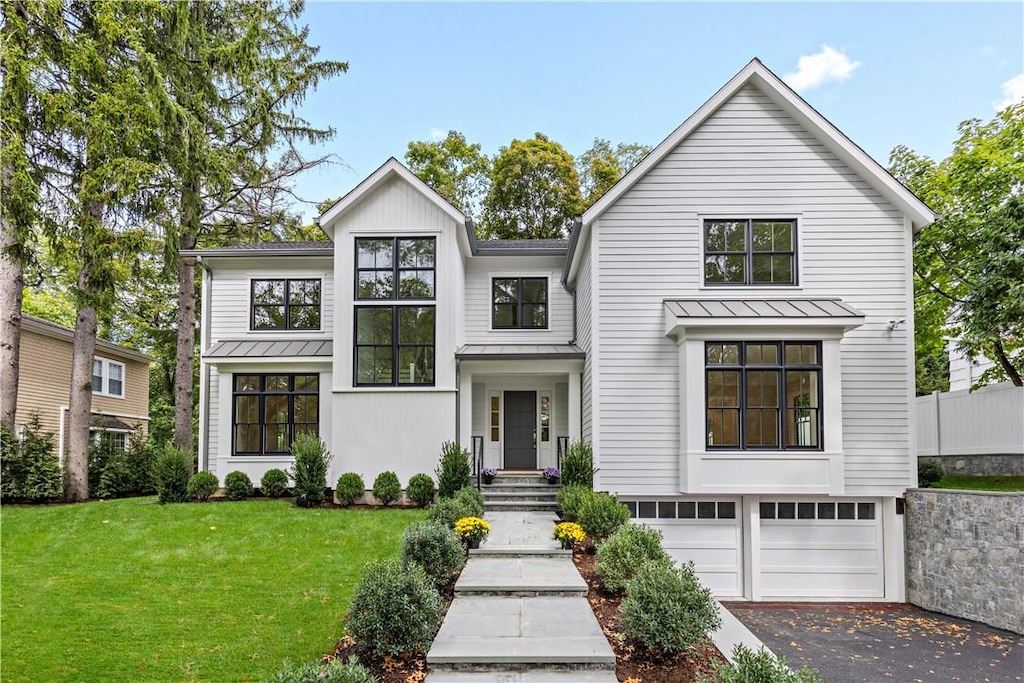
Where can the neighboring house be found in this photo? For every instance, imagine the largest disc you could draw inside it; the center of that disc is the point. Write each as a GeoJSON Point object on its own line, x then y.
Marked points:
{"type": "Point", "coordinates": [964, 371]}
{"type": "Point", "coordinates": [120, 400]}
{"type": "Point", "coordinates": [717, 327]}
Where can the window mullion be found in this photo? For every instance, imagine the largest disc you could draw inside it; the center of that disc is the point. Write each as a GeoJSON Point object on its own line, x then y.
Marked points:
{"type": "Point", "coordinates": [748, 276]}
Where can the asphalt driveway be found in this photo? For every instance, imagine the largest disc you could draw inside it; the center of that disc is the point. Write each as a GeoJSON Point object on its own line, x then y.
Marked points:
{"type": "Point", "coordinates": [870, 643]}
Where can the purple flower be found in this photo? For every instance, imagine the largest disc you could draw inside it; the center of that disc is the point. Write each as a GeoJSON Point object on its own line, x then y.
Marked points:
{"type": "Point", "coordinates": [552, 473]}
{"type": "Point", "coordinates": [489, 472]}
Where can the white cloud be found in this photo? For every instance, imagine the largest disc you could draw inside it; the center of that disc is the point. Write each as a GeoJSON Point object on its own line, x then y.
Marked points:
{"type": "Point", "coordinates": [437, 134]}
{"type": "Point", "coordinates": [820, 68]}
{"type": "Point", "coordinates": [1013, 92]}
{"type": "Point", "coordinates": [987, 50]}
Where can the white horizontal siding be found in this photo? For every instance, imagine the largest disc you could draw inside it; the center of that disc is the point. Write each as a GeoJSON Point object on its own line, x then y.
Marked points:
{"type": "Point", "coordinates": [584, 292]}
{"type": "Point", "coordinates": [749, 159]}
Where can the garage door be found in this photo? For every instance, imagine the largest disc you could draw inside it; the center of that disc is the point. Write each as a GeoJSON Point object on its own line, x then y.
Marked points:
{"type": "Point", "coordinates": [708, 532]}
{"type": "Point", "coordinates": [821, 549]}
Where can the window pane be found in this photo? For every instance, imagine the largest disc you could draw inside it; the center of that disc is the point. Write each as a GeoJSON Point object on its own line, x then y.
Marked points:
{"type": "Point", "coordinates": [247, 382]}
{"type": "Point", "coordinates": [782, 269]}
{"type": "Point", "coordinates": [787, 510]}
{"type": "Point", "coordinates": [268, 317]}
{"type": "Point", "coordinates": [805, 511]}
{"type": "Point", "coordinates": [727, 510]}
{"type": "Point", "coordinates": [115, 387]}
{"type": "Point", "coordinates": [826, 510]}
{"type": "Point", "coordinates": [504, 291]}
{"type": "Point", "coordinates": [801, 354]}
{"type": "Point", "coordinates": [767, 510]}
{"type": "Point", "coordinates": [416, 284]}
{"type": "Point", "coordinates": [374, 253]}
{"type": "Point", "coordinates": [307, 382]}
{"type": "Point", "coordinates": [373, 325]}
{"type": "Point", "coordinates": [705, 509]}
{"type": "Point", "coordinates": [687, 510]}
{"type": "Point", "coordinates": [723, 427]}
{"type": "Point", "coordinates": [535, 290]}
{"type": "Point", "coordinates": [247, 409]}
{"type": "Point", "coordinates": [276, 383]}
{"type": "Point", "coordinates": [415, 365]}
{"type": "Point", "coordinates": [545, 418]}
{"type": "Point", "coordinates": [416, 325]}
{"type": "Point", "coordinates": [268, 291]}
{"type": "Point", "coordinates": [729, 269]}
{"type": "Point", "coordinates": [375, 284]}
{"type": "Point", "coordinates": [305, 317]}
{"type": "Point", "coordinates": [416, 253]}
{"type": "Point", "coordinates": [846, 510]}
{"type": "Point", "coordinates": [535, 316]}
{"type": "Point", "coordinates": [666, 510]}
{"type": "Point", "coordinates": [494, 434]}
{"type": "Point", "coordinates": [97, 376]}
{"type": "Point", "coordinates": [505, 315]}
{"type": "Point", "coordinates": [762, 428]}
{"type": "Point", "coordinates": [783, 236]}
{"type": "Point", "coordinates": [373, 365]}
{"type": "Point", "coordinates": [304, 292]}
{"type": "Point", "coordinates": [275, 409]}
{"type": "Point", "coordinates": [762, 268]}
{"type": "Point", "coordinates": [631, 504]}
{"type": "Point", "coordinates": [865, 510]}
{"type": "Point", "coordinates": [247, 438]}
{"type": "Point", "coordinates": [714, 236]}
{"type": "Point", "coordinates": [276, 438]}
{"type": "Point", "coordinates": [724, 354]}
{"type": "Point", "coordinates": [306, 408]}
{"type": "Point", "coordinates": [763, 235]}
{"type": "Point", "coordinates": [647, 510]}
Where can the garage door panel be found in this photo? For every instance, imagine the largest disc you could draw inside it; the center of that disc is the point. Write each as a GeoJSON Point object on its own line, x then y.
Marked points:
{"type": "Point", "coordinates": [819, 584]}
{"type": "Point", "coordinates": [840, 559]}
{"type": "Point", "coordinates": [713, 546]}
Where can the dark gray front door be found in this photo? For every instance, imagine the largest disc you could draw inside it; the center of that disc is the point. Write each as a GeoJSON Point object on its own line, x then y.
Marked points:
{"type": "Point", "coordinates": [521, 430]}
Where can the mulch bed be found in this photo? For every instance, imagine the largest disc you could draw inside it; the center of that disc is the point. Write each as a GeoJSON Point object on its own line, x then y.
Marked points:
{"type": "Point", "coordinates": [633, 663]}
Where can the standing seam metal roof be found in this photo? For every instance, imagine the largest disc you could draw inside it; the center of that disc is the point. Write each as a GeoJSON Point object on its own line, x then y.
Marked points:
{"type": "Point", "coordinates": [270, 349]}
{"type": "Point", "coordinates": [761, 308]}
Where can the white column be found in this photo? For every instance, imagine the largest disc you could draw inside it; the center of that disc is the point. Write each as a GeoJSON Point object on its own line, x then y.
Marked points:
{"type": "Point", "coordinates": [575, 427]}
{"type": "Point", "coordinates": [751, 563]}
{"type": "Point", "coordinates": [892, 552]}
{"type": "Point", "coordinates": [466, 408]}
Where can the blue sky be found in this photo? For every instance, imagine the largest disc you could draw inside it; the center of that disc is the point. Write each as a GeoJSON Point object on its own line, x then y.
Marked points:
{"type": "Point", "coordinates": [884, 73]}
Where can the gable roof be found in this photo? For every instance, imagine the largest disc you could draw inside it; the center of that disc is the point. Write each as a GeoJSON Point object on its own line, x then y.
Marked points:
{"type": "Point", "coordinates": [52, 329]}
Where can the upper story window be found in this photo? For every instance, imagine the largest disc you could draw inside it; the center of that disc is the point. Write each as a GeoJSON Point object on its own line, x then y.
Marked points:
{"type": "Point", "coordinates": [394, 345]}
{"type": "Point", "coordinates": [285, 304]}
{"type": "Point", "coordinates": [763, 395]}
{"type": "Point", "coordinates": [107, 377]}
{"type": "Point", "coordinates": [407, 261]}
{"type": "Point", "coordinates": [519, 303]}
{"type": "Point", "coordinates": [750, 252]}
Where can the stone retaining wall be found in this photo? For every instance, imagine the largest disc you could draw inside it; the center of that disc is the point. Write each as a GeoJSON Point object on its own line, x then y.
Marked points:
{"type": "Point", "coordinates": [965, 555]}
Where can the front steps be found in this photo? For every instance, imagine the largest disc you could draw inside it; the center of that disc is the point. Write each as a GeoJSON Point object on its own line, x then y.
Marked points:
{"type": "Point", "coordinates": [520, 492]}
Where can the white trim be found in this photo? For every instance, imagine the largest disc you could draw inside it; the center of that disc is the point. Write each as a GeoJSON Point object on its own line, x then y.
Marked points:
{"type": "Point", "coordinates": [525, 274]}
{"type": "Point", "coordinates": [595, 351]}
{"type": "Point", "coordinates": [912, 447]}
{"type": "Point", "coordinates": [105, 365]}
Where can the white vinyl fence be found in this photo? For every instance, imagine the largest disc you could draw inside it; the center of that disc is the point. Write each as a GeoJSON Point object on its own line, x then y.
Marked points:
{"type": "Point", "coordinates": [988, 421]}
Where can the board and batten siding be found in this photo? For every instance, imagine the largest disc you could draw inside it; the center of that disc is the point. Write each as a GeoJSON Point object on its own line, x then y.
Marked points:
{"type": "Point", "coordinates": [213, 440]}
{"type": "Point", "coordinates": [479, 272]}
{"type": "Point", "coordinates": [749, 159]}
{"type": "Point", "coordinates": [584, 327]}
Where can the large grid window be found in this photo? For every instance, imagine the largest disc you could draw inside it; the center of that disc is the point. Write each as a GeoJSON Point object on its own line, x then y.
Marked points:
{"type": "Point", "coordinates": [750, 252]}
{"type": "Point", "coordinates": [271, 410]}
{"type": "Point", "coordinates": [519, 303]}
{"type": "Point", "coordinates": [763, 395]}
{"type": "Point", "coordinates": [107, 377]}
{"type": "Point", "coordinates": [394, 345]}
{"type": "Point", "coordinates": [383, 261]}
{"type": "Point", "coordinates": [285, 305]}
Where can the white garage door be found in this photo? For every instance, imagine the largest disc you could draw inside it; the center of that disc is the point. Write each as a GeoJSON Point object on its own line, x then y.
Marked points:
{"type": "Point", "coordinates": [708, 532]}
{"type": "Point", "coordinates": [821, 549]}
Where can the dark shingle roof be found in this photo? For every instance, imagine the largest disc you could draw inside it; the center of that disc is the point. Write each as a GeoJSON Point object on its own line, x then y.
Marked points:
{"type": "Point", "coordinates": [264, 247]}
{"type": "Point", "coordinates": [523, 245]}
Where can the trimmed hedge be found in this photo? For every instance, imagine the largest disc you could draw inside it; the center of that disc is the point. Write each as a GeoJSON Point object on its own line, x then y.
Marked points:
{"type": "Point", "coordinates": [202, 485]}
{"type": "Point", "coordinates": [274, 483]}
{"type": "Point", "coordinates": [395, 609]}
{"type": "Point", "coordinates": [349, 489]}
{"type": "Point", "coordinates": [420, 490]}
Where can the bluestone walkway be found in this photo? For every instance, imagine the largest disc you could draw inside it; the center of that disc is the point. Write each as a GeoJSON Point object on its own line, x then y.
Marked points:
{"type": "Point", "coordinates": [520, 611]}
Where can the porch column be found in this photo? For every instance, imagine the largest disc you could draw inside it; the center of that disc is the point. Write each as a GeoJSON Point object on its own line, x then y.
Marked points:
{"type": "Point", "coordinates": [575, 433]}
{"type": "Point", "coordinates": [465, 434]}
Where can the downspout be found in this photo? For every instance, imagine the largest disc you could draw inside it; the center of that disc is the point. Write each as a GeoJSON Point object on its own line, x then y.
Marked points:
{"type": "Point", "coordinates": [60, 439]}
{"type": "Point", "coordinates": [204, 377]}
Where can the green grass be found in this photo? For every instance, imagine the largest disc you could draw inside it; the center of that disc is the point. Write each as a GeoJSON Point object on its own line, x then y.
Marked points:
{"type": "Point", "coordinates": [130, 590]}
{"type": "Point", "coordinates": [995, 482]}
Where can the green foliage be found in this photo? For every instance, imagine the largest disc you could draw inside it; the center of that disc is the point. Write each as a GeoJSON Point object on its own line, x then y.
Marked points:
{"type": "Point", "coordinates": [578, 465]}
{"type": "Point", "coordinates": [395, 609]}
{"type": "Point", "coordinates": [982, 482]}
{"type": "Point", "coordinates": [350, 488]}
{"type": "Point", "coordinates": [929, 472]}
{"type": "Point", "coordinates": [334, 671]}
{"type": "Point", "coordinates": [535, 191]}
{"type": "Point", "coordinates": [601, 514]}
{"type": "Point", "coordinates": [621, 554]}
{"type": "Point", "coordinates": [386, 488]}
{"type": "Point", "coordinates": [115, 472]}
{"type": "Point", "coordinates": [420, 490]}
{"type": "Point", "coordinates": [453, 471]}
{"type": "Point", "coordinates": [759, 667]}
{"type": "Point", "coordinates": [447, 511]}
{"type": "Point", "coordinates": [471, 500]}
{"type": "Point", "coordinates": [237, 485]}
{"type": "Point", "coordinates": [601, 166]}
{"type": "Point", "coordinates": [435, 548]}
{"type": "Point", "coordinates": [202, 485]}
{"type": "Point", "coordinates": [454, 168]}
{"type": "Point", "coordinates": [274, 483]}
{"type": "Point", "coordinates": [171, 473]}
{"type": "Point", "coordinates": [29, 470]}
{"type": "Point", "coordinates": [312, 461]}
{"type": "Point", "coordinates": [570, 499]}
{"type": "Point", "coordinates": [666, 609]}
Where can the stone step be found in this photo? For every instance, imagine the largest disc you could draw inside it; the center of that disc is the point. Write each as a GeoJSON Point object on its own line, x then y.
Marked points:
{"type": "Point", "coordinates": [520, 495]}
{"type": "Point", "coordinates": [508, 488]}
{"type": "Point", "coordinates": [487, 550]}
{"type": "Point", "coordinates": [530, 575]}
{"type": "Point", "coordinates": [532, 675]}
{"type": "Point", "coordinates": [524, 478]}
{"type": "Point", "coordinates": [520, 506]}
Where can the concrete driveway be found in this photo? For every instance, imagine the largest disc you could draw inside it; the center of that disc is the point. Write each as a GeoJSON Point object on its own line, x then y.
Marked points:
{"type": "Point", "coordinates": [871, 642]}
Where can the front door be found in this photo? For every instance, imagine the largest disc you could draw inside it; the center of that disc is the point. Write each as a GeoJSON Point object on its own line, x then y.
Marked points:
{"type": "Point", "coordinates": [521, 430]}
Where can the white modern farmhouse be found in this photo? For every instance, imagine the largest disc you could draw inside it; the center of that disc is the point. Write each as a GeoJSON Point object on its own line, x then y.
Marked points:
{"type": "Point", "coordinates": [730, 327]}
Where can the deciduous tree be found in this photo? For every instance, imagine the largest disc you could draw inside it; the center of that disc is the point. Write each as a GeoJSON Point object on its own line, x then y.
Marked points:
{"type": "Point", "coordinates": [601, 166]}
{"type": "Point", "coordinates": [454, 168]}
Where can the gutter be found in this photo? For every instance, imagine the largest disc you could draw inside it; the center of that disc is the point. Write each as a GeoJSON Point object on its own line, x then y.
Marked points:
{"type": "Point", "coordinates": [574, 239]}
{"type": "Point", "coordinates": [231, 253]}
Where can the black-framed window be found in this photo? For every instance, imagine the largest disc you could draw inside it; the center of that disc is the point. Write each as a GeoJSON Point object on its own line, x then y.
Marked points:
{"type": "Point", "coordinates": [752, 251]}
{"type": "Point", "coordinates": [383, 261]}
{"type": "Point", "coordinates": [519, 303]}
{"type": "Point", "coordinates": [270, 410]}
{"type": "Point", "coordinates": [394, 345]}
{"type": "Point", "coordinates": [285, 304]}
{"type": "Point", "coordinates": [763, 395]}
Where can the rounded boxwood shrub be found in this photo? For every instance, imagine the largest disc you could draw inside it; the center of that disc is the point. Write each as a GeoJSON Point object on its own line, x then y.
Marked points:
{"type": "Point", "coordinates": [600, 515]}
{"type": "Point", "coordinates": [760, 666]}
{"type": "Point", "coordinates": [171, 473]}
{"type": "Point", "coordinates": [237, 485]}
{"type": "Point", "coordinates": [929, 471]}
{"type": "Point", "coordinates": [472, 500]}
{"type": "Point", "coordinates": [434, 547]}
{"type": "Point", "coordinates": [274, 483]}
{"type": "Point", "coordinates": [395, 609]}
{"type": "Point", "coordinates": [202, 485]}
{"type": "Point", "coordinates": [453, 471]}
{"type": "Point", "coordinates": [578, 465]}
{"type": "Point", "coordinates": [350, 488]}
{"type": "Point", "coordinates": [570, 498]}
{"type": "Point", "coordinates": [420, 490]}
{"type": "Point", "coordinates": [622, 553]}
{"type": "Point", "coordinates": [386, 488]}
{"type": "Point", "coordinates": [335, 671]}
{"type": "Point", "coordinates": [666, 609]}
{"type": "Point", "coordinates": [447, 511]}
{"type": "Point", "coordinates": [312, 461]}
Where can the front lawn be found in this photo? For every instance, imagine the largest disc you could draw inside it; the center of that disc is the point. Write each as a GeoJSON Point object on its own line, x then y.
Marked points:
{"type": "Point", "coordinates": [130, 590]}
{"type": "Point", "coordinates": [995, 482]}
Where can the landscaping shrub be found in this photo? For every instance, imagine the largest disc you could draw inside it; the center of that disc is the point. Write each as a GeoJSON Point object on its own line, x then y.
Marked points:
{"type": "Point", "coordinates": [274, 483]}
{"type": "Point", "coordinates": [570, 498]}
{"type": "Point", "coordinates": [335, 671]}
{"type": "Point", "coordinates": [666, 609]}
{"type": "Point", "coordinates": [202, 485]}
{"type": "Point", "coordinates": [472, 500]}
{"type": "Point", "coordinates": [237, 485]}
{"type": "Point", "coordinates": [29, 470]}
{"type": "Point", "coordinates": [621, 554]}
{"type": "Point", "coordinates": [447, 510]}
{"type": "Point", "coordinates": [312, 461]}
{"type": "Point", "coordinates": [434, 547]}
{"type": "Point", "coordinates": [386, 488]}
{"type": "Point", "coordinates": [929, 472]}
{"type": "Point", "coordinates": [115, 472]}
{"type": "Point", "coordinates": [453, 471]}
{"type": "Point", "coordinates": [420, 490]}
{"type": "Point", "coordinates": [578, 465]}
{"type": "Point", "coordinates": [759, 667]}
{"type": "Point", "coordinates": [395, 609]}
{"type": "Point", "coordinates": [171, 472]}
{"type": "Point", "coordinates": [350, 488]}
{"type": "Point", "coordinates": [600, 515]}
